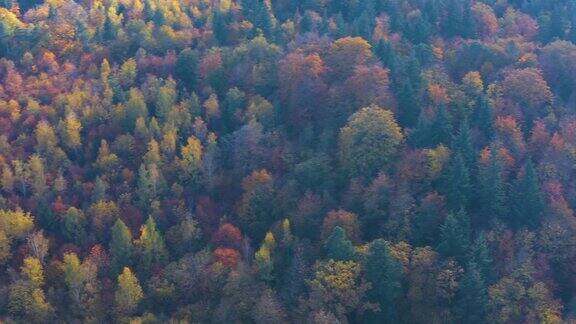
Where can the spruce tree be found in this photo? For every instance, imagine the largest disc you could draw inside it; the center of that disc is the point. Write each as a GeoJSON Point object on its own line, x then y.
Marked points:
{"type": "Point", "coordinates": [455, 235]}
{"type": "Point", "coordinates": [483, 117]}
{"type": "Point", "coordinates": [152, 247]}
{"type": "Point", "coordinates": [527, 199]}
{"type": "Point", "coordinates": [457, 184]}
{"type": "Point", "coordinates": [462, 143]}
{"type": "Point", "coordinates": [472, 304]}
{"type": "Point", "coordinates": [492, 192]}
{"type": "Point", "coordinates": [384, 272]}
{"type": "Point", "coordinates": [121, 247]}
{"type": "Point", "coordinates": [338, 247]}
{"type": "Point", "coordinates": [408, 100]}
{"type": "Point", "coordinates": [479, 254]}
{"type": "Point", "coordinates": [441, 129]}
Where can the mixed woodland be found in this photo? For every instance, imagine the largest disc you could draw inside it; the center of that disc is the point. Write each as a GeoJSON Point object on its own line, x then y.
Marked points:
{"type": "Point", "coordinates": [288, 161]}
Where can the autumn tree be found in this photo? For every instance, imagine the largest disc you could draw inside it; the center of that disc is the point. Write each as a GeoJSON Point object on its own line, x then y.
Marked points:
{"type": "Point", "coordinates": [346, 53]}
{"type": "Point", "coordinates": [26, 296]}
{"type": "Point", "coordinates": [135, 108]}
{"type": "Point", "coordinates": [347, 220]}
{"type": "Point", "coordinates": [14, 226]}
{"type": "Point", "coordinates": [36, 170]}
{"type": "Point", "coordinates": [70, 132]}
{"type": "Point", "coordinates": [38, 245]}
{"type": "Point", "coordinates": [82, 285]}
{"type": "Point", "coordinates": [369, 141]}
{"type": "Point", "coordinates": [528, 88]}
{"type": "Point", "coordinates": [302, 87]}
{"type": "Point", "coordinates": [103, 214]}
{"type": "Point", "coordinates": [268, 309]}
{"type": "Point", "coordinates": [484, 19]}
{"type": "Point", "coordinates": [191, 160]}
{"type": "Point", "coordinates": [264, 257]}
{"type": "Point", "coordinates": [128, 294]}
{"type": "Point", "coordinates": [337, 287]}
{"type": "Point", "coordinates": [256, 207]}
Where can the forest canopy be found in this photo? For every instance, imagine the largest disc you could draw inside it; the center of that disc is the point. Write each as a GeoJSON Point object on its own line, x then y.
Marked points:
{"type": "Point", "coordinates": [288, 161]}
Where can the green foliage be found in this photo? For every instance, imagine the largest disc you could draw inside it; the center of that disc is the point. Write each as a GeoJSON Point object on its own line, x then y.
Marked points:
{"type": "Point", "coordinates": [337, 161]}
{"type": "Point", "coordinates": [75, 226]}
{"type": "Point", "coordinates": [129, 293]}
{"type": "Point", "coordinates": [473, 302]}
{"type": "Point", "coordinates": [493, 188]}
{"type": "Point", "coordinates": [458, 187]}
{"type": "Point", "coordinates": [527, 199]}
{"type": "Point", "coordinates": [455, 235]}
{"type": "Point", "coordinates": [187, 68]}
{"type": "Point", "coordinates": [384, 273]}
{"type": "Point", "coordinates": [369, 141]}
{"type": "Point", "coordinates": [338, 247]}
{"type": "Point", "coordinates": [152, 249]}
{"type": "Point", "coordinates": [121, 247]}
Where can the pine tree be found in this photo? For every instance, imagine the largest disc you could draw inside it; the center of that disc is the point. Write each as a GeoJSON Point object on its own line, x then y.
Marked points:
{"type": "Point", "coordinates": [572, 33]}
{"type": "Point", "coordinates": [483, 117]}
{"type": "Point", "coordinates": [75, 226]}
{"type": "Point", "coordinates": [462, 143]}
{"type": "Point", "coordinates": [186, 70]}
{"type": "Point", "coordinates": [338, 247]}
{"type": "Point", "coordinates": [152, 247]}
{"type": "Point", "coordinates": [492, 193]}
{"type": "Point", "coordinates": [110, 29]}
{"type": "Point", "coordinates": [479, 254]}
{"type": "Point", "coordinates": [159, 17]}
{"type": "Point", "coordinates": [384, 272]}
{"type": "Point", "coordinates": [418, 29]}
{"type": "Point", "coordinates": [121, 247]}
{"type": "Point", "coordinates": [407, 99]}
{"type": "Point", "coordinates": [472, 304]}
{"type": "Point", "coordinates": [6, 35]}
{"type": "Point", "coordinates": [385, 51]}
{"type": "Point", "coordinates": [527, 199]}
{"type": "Point", "coordinates": [556, 26]}
{"type": "Point", "coordinates": [455, 235]}
{"type": "Point", "coordinates": [394, 10]}
{"type": "Point", "coordinates": [364, 25]}
{"type": "Point", "coordinates": [457, 184]}
{"type": "Point", "coordinates": [453, 20]}
{"type": "Point", "coordinates": [441, 128]}
{"type": "Point", "coordinates": [219, 26]}
{"type": "Point", "coordinates": [99, 191]}
{"type": "Point", "coordinates": [145, 195]}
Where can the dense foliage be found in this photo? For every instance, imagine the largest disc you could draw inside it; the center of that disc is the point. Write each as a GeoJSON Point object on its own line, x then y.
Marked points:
{"type": "Point", "coordinates": [378, 161]}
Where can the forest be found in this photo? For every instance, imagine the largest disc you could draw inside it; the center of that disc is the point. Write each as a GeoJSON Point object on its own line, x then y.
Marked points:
{"type": "Point", "coordinates": [288, 161]}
